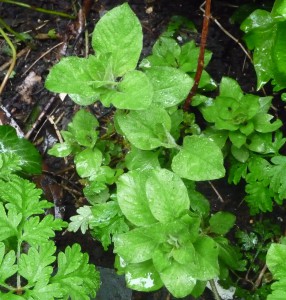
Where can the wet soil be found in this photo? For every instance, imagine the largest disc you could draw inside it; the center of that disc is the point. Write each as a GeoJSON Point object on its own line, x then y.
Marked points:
{"type": "Point", "coordinates": [40, 114]}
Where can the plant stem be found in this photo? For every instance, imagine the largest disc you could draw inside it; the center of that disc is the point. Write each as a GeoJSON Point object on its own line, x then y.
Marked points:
{"type": "Point", "coordinates": [201, 59]}
{"type": "Point", "coordinates": [214, 290]}
{"type": "Point", "coordinates": [14, 55]}
{"type": "Point", "coordinates": [18, 262]}
{"type": "Point", "coordinates": [47, 11]}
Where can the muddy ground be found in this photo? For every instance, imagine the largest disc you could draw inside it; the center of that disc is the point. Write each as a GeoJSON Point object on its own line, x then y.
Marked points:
{"type": "Point", "coordinates": [25, 97]}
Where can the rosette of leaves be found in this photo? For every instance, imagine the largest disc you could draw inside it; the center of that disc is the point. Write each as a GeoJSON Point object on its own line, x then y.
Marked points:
{"type": "Point", "coordinates": [166, 244]}
{"type": "Point", "coordinates": [243, 119]}
{"type": "Point", "coordinates": [265, 34]}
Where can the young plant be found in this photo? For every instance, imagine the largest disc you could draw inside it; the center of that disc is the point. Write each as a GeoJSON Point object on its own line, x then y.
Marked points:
{"type": "Point", "coordinates": [27, 250]}
{"type": "Point", "coordinates": [172, 235]}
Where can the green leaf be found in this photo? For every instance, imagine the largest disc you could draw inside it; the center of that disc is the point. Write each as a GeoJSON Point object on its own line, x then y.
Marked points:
{"type": "Point", "coordinates": [258, 190]}
{"type": "Point", "coordinates": [9, 163]}
{"type": "Point", "coordinates": [230, 88]}
{"type": "Point", "coordinates": [279, 9]}
{"type": "Point", "coordinates": [30, 159]}
{"type": "Point", "coordinates": [262, 123]}
{"type": "Point", "coordinates": [194, 164]}
{"type": "Point", "coordinates": [137, 159]}
{"type": "Point", "coordinates": [9, 222]}
{"type": "Point", "coordinates": [175, 276]}
{"type": "Point", "coordinates": [230, 255]}
{"type": "Point", "coordinates": [7, 263]}
{"type": "Point", "coordinates": [36, 264]}
{"type": "Point", "coordinates": [146, 129]}
{"type": "Point", "coordinates": [278, 54]}
{"type": "Point", "coordinates": [119, 32]}
{"type": "Point", "coordinates": [60, 150]}
{"type": "Point", "coordinates": [143, 277]}
{"type": "Point", "coordinates": [83, 127]}
{"type": "Point", "coordinates": [88, 162]}
{"type": "Point", "coordinates": [205, 265]}
{"type": "Point", "coordinates": [36, 232]}
{"type": "Point", "coordinates": [221, 222]}
{"type": "Point", "coordinates": [104, 234]}
{"type": "Point", "coordinates": [165, 52]}
{"type": "Point", "coordinates": [132, 199]}
{"type": "Point", "coordinates": [77, 278]}
{"type": "Point", "coordinates": [143, 241]}
{"type": "Point", "coordinates": [278, 176]}
{"type": "Point", "coordinates": [81, 220]}
{"type": "Point", "coordinates": [134, 91]}
{"type": "Point", "coordinates": [171, 86]}
{"type": "Point", "coordinates": [167, 195]}
{"type": "Point", "coordinates": [23, 194]}
{"type": "Point", "coordinates": [238, 139]}
{"type": "Point", "coordinates": [241, 154]}
{"type": "Point", "coordinates": [43, 290]}
{"type": "Point", "coordinates": [75, 75]}
{"type": "Point", "coordinates": [275, 260]}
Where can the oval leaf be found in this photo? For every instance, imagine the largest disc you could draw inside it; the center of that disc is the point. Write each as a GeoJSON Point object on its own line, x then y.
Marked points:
{"type": "Point", "coordinates": [145, 129]}
{"type": "Point", "coordinates": [167, 195]}
{"type": "Point", "coordinates": [88, 162]}
{"type": "Point", "coordinates": [199, 159]}
{"type": "Point", "coordinates": [171, 86]}
{"type": "Point", "coordinates": [134, 92]}
{"type": "Point", "coordinates": [119, 32]}
{"type": "Point", "coordinates": [132, 198]}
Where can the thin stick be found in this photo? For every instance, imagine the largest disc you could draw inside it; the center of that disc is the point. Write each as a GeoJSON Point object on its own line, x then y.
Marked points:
{"type": "Point", "coordinates": [14, 55]}
{"type": "Point", "coordinates": [201, 58]}
{"type": "Point", "coordinates": [214, 290]}
{"type": "Point", "coordinates": [216, 191]}
{"type": "Point", "coordinates": [44, 54]}
{"type": "Point", "coordinates": [41, 116]}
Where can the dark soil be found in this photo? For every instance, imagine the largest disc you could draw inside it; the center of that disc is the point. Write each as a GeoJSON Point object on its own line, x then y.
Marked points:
{"type": "Point", "coordinates": [25, 102]}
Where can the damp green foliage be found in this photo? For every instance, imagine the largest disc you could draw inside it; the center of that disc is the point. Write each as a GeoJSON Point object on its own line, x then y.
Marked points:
{"type": "Point", "coordinates": [139, 171]}
{"type": "Point", "coordinates": [167, 236]}
{"type": "Point", "coordinates": [25, 154]}
{"type": "Point", "coordinates": [264, 34]}
{"type": "Point", "coordinates": [276, 263]}
{"type": "Point", "coordinates": [27, 249]}
{"type": "Point", "coordinates": [243, 118]}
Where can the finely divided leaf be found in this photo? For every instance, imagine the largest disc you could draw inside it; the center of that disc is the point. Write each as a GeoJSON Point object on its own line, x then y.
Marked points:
{"type": "Point", "coordinates": [37, 232]}
{"type": "Point", "coordinates": [36, 264]}
{"type": "Point", "coordinates": [275, 260]}
{"type": "Point", "coordinates": [9, 222]}
{"type": "Point", "coordinates": [81, 220]}
{"type": "Point", "coordinates": [75, 275]}
{"type": "Point", "coordinates": [7, 263]}
{"type": "Point", "coordinates": [119, 32]}
{"type": "Point", "coordinates": [278, 176]}
{"type": "Point", "coordinates": [23, 194]}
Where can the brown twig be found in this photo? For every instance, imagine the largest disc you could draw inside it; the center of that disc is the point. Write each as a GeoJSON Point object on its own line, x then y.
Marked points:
{"type": "Point", "coordinates": [201, 58]}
